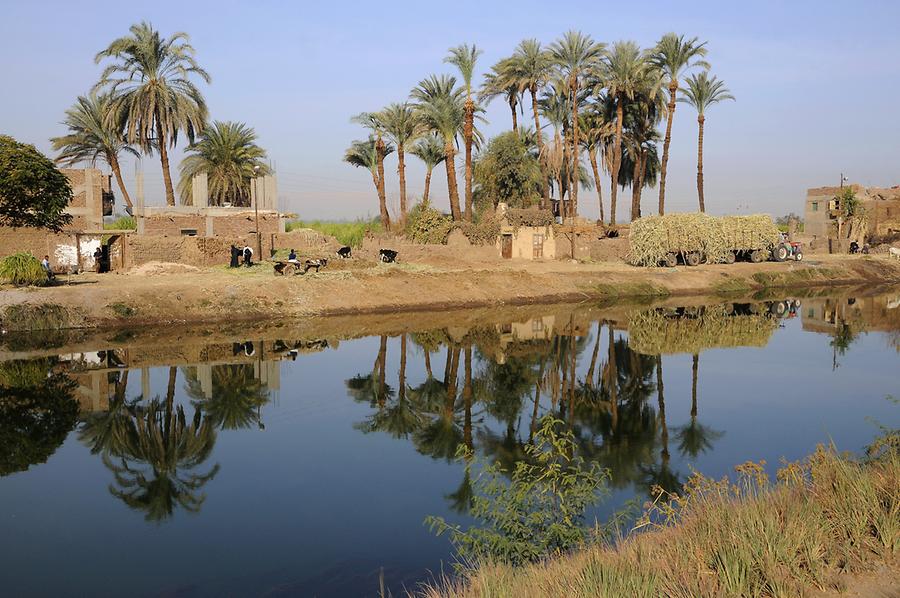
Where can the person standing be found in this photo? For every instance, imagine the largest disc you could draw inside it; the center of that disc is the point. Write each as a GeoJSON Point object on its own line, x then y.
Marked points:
{"type": "Point", "coordinates": [235, 257]}
{"type": "Point", "coordinates": [98, 257]}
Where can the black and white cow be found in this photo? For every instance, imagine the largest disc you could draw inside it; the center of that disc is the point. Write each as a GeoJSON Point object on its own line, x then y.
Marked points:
{"type": "Point", "coordinates": [388, 256]}
{"type": "Point", "coordinates": [345, 252]}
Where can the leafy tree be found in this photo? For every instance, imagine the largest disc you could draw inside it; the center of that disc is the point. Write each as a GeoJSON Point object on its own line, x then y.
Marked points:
{"type": "Point", "coordinates": [673, 55]}
{"type": "Point", "coordinates": [150, 82]}
{"type": "Point", "coordinates": [702, 92]}
{"type": "Point", "coordinates": [229, 156]}
{"type": "Point", "coordinates": [366, 154]}
{"type": "Point", "coordinates": [538, 513]}
{"type": "Point", "coordinates": [505, 172]}
{"type": "Point", "coordinates": [429, 150]}
{"type": "Point", "coordinates": [95, 132]}
{"type": "Point", "coordinates": [33, 192]}
{"type": "Point", "coordinates": [464, 57]}
{"type": "Point", "coordinates": [37, 412]}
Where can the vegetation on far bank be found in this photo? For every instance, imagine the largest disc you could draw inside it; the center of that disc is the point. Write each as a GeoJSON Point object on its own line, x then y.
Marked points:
{"type": "Point", "coordinates": [823, 517]}
{"type": "Point", "coordinates": [349, 233]}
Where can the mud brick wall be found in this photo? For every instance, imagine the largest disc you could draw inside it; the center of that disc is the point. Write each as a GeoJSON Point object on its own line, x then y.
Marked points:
{"type": "Point", "coordinates": [193, 251]}
{"type": "Point", "coordinates": [236, 225]}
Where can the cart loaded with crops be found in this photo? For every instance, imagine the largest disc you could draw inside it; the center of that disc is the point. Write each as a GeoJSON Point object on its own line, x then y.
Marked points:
{"type": "Point", "coordinates": [692, 239]}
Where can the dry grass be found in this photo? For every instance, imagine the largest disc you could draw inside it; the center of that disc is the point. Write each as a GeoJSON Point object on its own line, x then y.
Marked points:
{"type": "Point", "coordinates": [653, 237]}
{"type": "Point", "coordinates": [746, 233]}
{"type": "Point", "coordinates": [824, 517]}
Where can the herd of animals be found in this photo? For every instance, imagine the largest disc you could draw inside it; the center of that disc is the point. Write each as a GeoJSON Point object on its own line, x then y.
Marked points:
{"type": "Point", "coordinates": [294, 266]}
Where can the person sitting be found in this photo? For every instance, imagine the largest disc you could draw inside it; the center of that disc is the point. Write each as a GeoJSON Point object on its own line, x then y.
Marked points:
{"type": "Point", "coordinates": [292, 256]}
{"type": "Point", "coordinates": [45, 264]}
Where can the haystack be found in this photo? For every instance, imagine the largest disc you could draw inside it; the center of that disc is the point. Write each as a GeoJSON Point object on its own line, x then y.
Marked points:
{"type": "Point", "coordinates": [749, 233]}
{"type": "Point", "coordinates": [658, 332]}
{"type": "Point", "coordinates": [655, 237]}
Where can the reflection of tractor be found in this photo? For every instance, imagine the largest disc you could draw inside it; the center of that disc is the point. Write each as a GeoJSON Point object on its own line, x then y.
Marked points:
{"type": "Point", "coordinates": [788, 308]}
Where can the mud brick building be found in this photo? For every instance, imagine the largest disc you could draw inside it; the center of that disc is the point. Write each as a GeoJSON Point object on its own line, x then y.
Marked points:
{"type": "Point", "coordinates": [882, 207]}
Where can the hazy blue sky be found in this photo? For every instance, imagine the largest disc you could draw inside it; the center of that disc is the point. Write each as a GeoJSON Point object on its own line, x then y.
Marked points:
{"type": "Point", "coordinates": [816, 84]}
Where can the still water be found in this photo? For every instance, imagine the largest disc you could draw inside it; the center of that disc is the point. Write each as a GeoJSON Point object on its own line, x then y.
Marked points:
{"type": "Point", "coordinates": [285, 462]}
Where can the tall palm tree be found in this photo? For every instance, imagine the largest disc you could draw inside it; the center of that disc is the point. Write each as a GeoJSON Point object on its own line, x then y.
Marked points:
{"type": "Point", "coordinates": [576, 55]}
{"type": "Point", "coordinates": [372, 121]}
{"type": "Point", "coordinates": [442, 108]}
{"type": "Point", "coordinates": [598, 129]}
{"type": "Point", "coordinates": [236, 397]}
{"type": "Point", "coordinates": [702, 92]}
{"type": "Point", "coordinates": [429, 150]}
{"type": "Point", "coordinates": [150, 81]}
{"type": "Point", "coordinates": [642, 114]}
{"type": "Point", "coordinates": [365, 154]}
{"type": "Point", "coordinates": [463, 57]}
{"type": "Point", "coordinates": [532, 67]}
{"type": "Point", "coordinates": [402, 126]}
{"type": "Point", "coordinates": [673, 56]}
{"type": "Point", "coordinates": [228, 154]}
{"type": "Point", "coordinates": [497, 83]}
{"type": "Point", "coordinates": [625, 72]}
{"type": "Point", "coordinates": [94, 133]}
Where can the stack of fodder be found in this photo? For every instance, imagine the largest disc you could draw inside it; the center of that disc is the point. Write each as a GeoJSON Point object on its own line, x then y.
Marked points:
{"type": "Point", "coordinates": [656, 238]}
{"type": "Point", "coordinates": [750, 233]}
{"type": "Point", "coordinates": [659, 331]}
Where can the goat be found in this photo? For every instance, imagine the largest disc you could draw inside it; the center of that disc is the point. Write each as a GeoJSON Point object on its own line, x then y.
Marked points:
{"type": "Point", "coordinates": [388, 256]}
{"type": "Point", "coordinates": [316, 263]}
{"type": "Point", "coordinates": [344, 252]}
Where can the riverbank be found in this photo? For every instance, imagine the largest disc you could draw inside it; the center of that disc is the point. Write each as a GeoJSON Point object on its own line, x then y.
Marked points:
{"type": "Point", "coordinates": [827, 527]}
{"type": "Point", "coordinates": [181, 294]}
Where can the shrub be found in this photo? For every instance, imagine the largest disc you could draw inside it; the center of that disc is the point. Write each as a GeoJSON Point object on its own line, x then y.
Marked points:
{"type": "Point", "coordinates": [529, 217]}
{"type": "Point", "coordinates": [23, 269]}
{"type": "Point", "coordinates": [483, 232]}
{"type": "Point", "coordinates": [122, 223]}
{"type": "Point", "coordinates": [506, 172]}
{"type": "Point", "coordinates": [425, 224]}
{"type": "Point", "coordinates": [347, 233]}
{"type": "Point", "coordinates": [33, 192]}
{"type": "Point", "coordinates": [539, 512]}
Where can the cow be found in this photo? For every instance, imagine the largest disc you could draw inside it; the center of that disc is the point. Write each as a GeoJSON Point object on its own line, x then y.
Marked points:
{"type": "Point", "coordinates": [344, 252]}
{"type": "Point", "coordinates": [316, 263]}
{"type": "Point", "coordinates": [388, 256]}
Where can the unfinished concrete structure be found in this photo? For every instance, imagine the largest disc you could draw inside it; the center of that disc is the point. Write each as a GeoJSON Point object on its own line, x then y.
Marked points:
{"type": "Point", "coordinates": [882, 207]}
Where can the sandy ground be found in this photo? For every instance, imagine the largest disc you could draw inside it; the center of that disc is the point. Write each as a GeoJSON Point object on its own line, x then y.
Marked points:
{"type": "Point", "coordinates": [161, 293]}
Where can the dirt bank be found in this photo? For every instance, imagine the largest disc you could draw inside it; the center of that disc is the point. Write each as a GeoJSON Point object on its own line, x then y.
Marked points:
{"type": "Point", "coordinates": [154, 296]}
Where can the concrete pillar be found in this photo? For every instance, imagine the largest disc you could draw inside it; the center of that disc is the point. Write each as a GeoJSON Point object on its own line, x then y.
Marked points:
{"type": "Point", "coordinates": [200, 190]}
{"type": "Point", "coordinates": [204, 375]}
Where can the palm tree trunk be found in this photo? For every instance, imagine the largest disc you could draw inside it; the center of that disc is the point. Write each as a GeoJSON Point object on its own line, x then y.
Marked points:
{"type": "Point", "coordinates": [427, 185]}
{"type": "Point", "coordinates": [382, 196]}
{"type": "Point", "coordinates": [452, 188]}
{"type": "Point", "coordinates": [664, 429]}
{"type": "Point", "coordinates": [589, 377]}
{"type": "Point", "coordinates": [700, 120]}
{"type": "Point", "coordinates": [636, 189]}
{"type": "Point", "coordinates": [573, 193]}
{"type": "Point", "coordinates": [617, 161]}
{"type": "Point", "coordinates": [468, 131]}
{"type": "Point", "coordinates": [401, 170]}
{"type": "Point", "coordinates": [592, 155]}
{"type": "Point", "coordinates": [695, 365]}
{"type": "Point", "coordinates": [381, 361]}
{"type": "Point", "coordinates": [540, 143]}
{"type": "Point", "coordinates": [467, 398]}
{"type": "Point", "coordinates": [170, 402]}
{"type": "Point", "coordinates": [512, 108]}
{"type": "Point", "coordinates": [164, 159]}
{"type": "Point", "coordinates": [613, 380]}
{"type": "Point", "coordinates": [537, 399]}
{"type": "Point", "coordinates": [114, 165]}
{"type": "Point", "coordinates": [673, 89]}
{"type": "Point", "coordinates": [401, 381]}
{"type": "Point", "coordinates": [428, 371]}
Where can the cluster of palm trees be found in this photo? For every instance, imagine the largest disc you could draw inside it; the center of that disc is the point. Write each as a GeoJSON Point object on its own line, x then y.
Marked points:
{"type": "Point", "coordinates": [608, 408]}
{"type": "Point", "coordinates": [603, 100]}
{"type": "Point", "coordinates": [146, 97]}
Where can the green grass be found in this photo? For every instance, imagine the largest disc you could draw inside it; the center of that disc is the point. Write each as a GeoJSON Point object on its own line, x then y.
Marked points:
{"type": "Point", "coordinates": [123, 309]}
{"type": "Point", "coordinates": [824, 517]}
{"type": "Point", "coordinates": [23, 269]}
{"type": "Point", "coordinates": [348, 233]}
{"type": "Point", "coordinates": [36, 316]}
{"type": "Point", "coordinates": [633, 289]}
{"type": "Point", "coordinates": [122, 223]}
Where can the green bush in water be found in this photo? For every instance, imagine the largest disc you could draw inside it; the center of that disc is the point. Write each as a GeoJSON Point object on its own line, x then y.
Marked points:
{"type": "Point", "coordinates": [23, 269]}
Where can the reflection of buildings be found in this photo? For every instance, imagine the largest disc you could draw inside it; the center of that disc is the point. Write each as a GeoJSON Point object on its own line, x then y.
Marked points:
{"type": "Point", "coordinates": [98, 372]}
{"type": "Point", "coordinates": [514, 336]}
{"type": "Point", "coordinates": [873, 313]}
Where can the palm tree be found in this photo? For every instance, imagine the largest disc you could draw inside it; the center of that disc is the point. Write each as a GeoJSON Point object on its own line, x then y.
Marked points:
{"type": "Point", "coordinates": [463, 57]}
{"type": "Point", "coordinates": [497, 83]}
{"type": "Point", "coordinates": [640, 137]}
{"type": "Point", "coordinates": [94, 133]}
{"type": "Point", "coordinates": [365, 154]}
{"type": "Point", "coordinates": [152, 90]}
{"type": "Point", "coordinates": [702, 92]}
{"type": "Point", "coordinates": [532, 67]}
{"type": "Point", "coordinates": [673, 56]}
{"type": "Point", "coordinates": [236, 397]}
{"type": "Point", "coordinates": [372, 121]}
{"type": "Point", "coordinates": [625, 72]}
{"type": "Point", "coordinates": [577, 55]}
{"type": "Point", "coordinates": [227, 153]}
{"type": "Point", "coordinates": [695, 438]}
{"type": "Point", "coordinates": [598, 129]}
{"type": "Point", "coordinates": [429, 150]}
{"type": "Point", "coordinates": [402, 126]}
{"type": "Point", "coordinates": [442, 109]}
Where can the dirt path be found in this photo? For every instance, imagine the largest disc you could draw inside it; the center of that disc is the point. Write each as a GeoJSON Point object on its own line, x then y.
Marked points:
{"type": "Point", "coordinates": [155, 296]}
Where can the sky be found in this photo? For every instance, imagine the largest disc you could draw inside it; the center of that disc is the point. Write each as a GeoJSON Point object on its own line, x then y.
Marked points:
{"type": "Point", "coordinates": [816, 86]}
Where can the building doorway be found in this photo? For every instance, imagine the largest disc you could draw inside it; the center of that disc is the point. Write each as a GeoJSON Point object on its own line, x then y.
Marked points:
{"type": "Point", "coordinates": [506, 243]}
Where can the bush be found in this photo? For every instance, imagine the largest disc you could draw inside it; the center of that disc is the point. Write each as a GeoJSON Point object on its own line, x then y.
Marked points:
{"type": "Point", "coordinates": [483, 232]}
{"type": "Point", "coordinates": [529, 217]}
{"type": "Point", "coordinates": [506, 172]}
{"type": "Point", "coordinates": [347, 233]}
{"type": "Point", "coordinates": [122, 223]}
{"type": "Point", "coordinates": [427, 225]}
{"type": "Point", "coordinates": [539, 513]}
{"type": "Point", "coordinates": [23, 269]}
